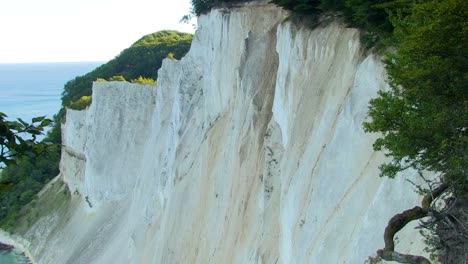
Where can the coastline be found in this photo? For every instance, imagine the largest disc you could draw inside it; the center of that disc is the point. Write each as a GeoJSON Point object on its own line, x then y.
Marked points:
{"type": "Point", "coordinates": [12, 242]}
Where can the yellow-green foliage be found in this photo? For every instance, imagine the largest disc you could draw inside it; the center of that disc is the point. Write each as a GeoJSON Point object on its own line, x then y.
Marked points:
{"type": "Point", "coordinates": [143, 58]}
{"type": "Point", "coordinates": [143, 80]}
{"type": "Point", "coordinates": [81, 103]}
{"type": "Point", "coordinates": [100, 80]}
{"type": "Point", "coordinates": [170, 55]}
{"type": "Point", "coordinates": [118, 78]}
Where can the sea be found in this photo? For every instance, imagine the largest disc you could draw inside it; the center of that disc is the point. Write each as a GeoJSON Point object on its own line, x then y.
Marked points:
{"type": "Point", "coordinates": [28, 90]}
{"type": "Point", "coordinates": [13, 257]}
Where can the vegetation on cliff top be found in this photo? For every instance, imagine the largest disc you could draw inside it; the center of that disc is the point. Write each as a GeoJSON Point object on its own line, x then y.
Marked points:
{"type": "Point", "coordinates": [365, 14]}
{"type": "Point", "coordinates": [23, 181]}
{"type": "Point", "coordinates": [143, 58]}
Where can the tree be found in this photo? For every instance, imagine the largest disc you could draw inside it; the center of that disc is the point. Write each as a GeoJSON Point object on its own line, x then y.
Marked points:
{"type": "Point", "coordinates": [423, 118]}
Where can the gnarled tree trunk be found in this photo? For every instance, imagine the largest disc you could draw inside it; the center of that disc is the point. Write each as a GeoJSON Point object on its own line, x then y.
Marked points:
{"type": "Point", "coordinates": [399, 221]}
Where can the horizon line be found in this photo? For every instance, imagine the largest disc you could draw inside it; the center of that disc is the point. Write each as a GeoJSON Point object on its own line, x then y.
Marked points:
{"type": "Point", "coordinates": [43, 62]}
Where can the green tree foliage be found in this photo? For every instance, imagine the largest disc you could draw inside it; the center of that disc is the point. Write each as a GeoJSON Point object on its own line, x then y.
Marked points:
{"type": "Point", "coordinates": [369, 15]}
{"type": "Point", "coordinates": [24, 181]}
{"type": "Point", "coordinates": [300, 6]}
{"type": "Point", "coordinates": [143, 58]}
{"type": "Point", "coordinates": [143, 80]}
{"type": "Point", "coordinates": [81, 103]}
{"type": "Point", "coordinates": [117, 78]}
{"type": "Point", "coordinates": [200, 7]}
{"type": "Point", "coordinates": [18, 139]}
{"type": "Point", "coordinates": [20, 180]}
{"type": "Point", "coordinates": [365, 14]}
{"type": "Point", "coordinates": [424, 116]}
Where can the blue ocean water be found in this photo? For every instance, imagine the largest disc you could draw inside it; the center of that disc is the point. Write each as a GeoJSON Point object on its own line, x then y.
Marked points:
{"type": "Point", "coordinates": [28, 90]}
{"type": "Point", "coordinates": [34, 89]}
{"type": "Point", "coordinates": [12, 257]}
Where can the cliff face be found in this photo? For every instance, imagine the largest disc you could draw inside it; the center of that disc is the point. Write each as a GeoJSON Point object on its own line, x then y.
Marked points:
{"type": "Point", "coordinates": [249, 150]}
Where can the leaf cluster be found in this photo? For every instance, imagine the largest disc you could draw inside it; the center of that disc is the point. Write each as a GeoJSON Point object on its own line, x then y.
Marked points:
{"type": "Point", "coordinates": [20, 184]}
{"type": "Point", "coordinates": [117, 78]}
{"type": "Point", "coordinates": [200, 7]}
{"type": "Point", "coordinates": [143, 80]}
{"type": "Point", "coordinates": [369, 15]}
{"type": "Point", "coordinates": [81, 103]}
{"type": "Point", "coordinates": [19, 138]}
{"type": "Point", "coordinates": [423, 118]}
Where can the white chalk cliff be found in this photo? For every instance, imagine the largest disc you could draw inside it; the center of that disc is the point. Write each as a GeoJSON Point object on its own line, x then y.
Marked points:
{"type": "Point", "coordinates": [249, 150]}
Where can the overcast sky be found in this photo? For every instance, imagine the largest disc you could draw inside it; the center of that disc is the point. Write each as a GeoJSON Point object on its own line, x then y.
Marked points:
{"type": "Point", "coordinates": [81, 30]}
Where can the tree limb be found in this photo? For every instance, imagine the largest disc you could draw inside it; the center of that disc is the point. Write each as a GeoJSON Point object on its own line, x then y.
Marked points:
{"type": "Point", "coordinates": [399, 221]}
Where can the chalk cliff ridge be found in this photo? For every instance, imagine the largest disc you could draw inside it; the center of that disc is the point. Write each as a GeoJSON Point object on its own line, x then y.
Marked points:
{"type": "Point", "coordinates": [249, 150]}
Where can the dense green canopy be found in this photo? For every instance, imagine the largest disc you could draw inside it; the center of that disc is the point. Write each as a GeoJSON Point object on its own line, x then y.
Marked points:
{"type": "Point", "coordinates": [424, 117]}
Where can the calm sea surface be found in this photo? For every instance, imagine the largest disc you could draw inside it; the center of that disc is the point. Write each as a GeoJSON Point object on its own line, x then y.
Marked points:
{"type": "Point", "coordinates": [12, 257]}
{"type": "Point", "coordinates": [34, 89]}
{"type": "Point", "coordinates": [28, 90]}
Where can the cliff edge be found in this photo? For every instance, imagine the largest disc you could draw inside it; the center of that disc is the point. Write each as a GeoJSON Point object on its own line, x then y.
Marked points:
{"type": "Point", "coordinates": [249, 150]}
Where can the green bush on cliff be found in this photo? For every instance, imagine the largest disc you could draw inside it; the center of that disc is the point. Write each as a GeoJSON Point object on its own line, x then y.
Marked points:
{"type": "Point", "coordinates": [117, 78]}
{"type": "Point", "coordinates": [424, 116]}
{"type": "Point", "coordinates": [200, 7]}
{"type": "Point", "coordinates": [143, 80]}
{"type": "Point", "coordinates": [81, 103]}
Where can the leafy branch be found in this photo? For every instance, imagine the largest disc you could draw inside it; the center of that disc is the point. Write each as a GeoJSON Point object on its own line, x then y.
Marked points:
{"type": "Point", "coordinates": [19, 138]}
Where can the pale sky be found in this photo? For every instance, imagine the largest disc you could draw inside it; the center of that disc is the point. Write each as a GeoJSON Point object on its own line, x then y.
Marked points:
{"type": "Point", "coordinates": [82, 30]}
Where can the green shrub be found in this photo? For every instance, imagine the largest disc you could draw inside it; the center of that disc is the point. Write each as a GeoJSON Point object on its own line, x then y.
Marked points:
{"type": "Point", "coordinates": [204, 6]}
{"type": "Point", "coordinates": [201, 6]}
{"type": "Point", "coordinates": [81, 103]}
{"type": "Point", "coordinates": [143, 80]}
{"type": "Point", "coordinates": [100, 80]}
{"type": "Point", "coordinates": [117, 78]}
